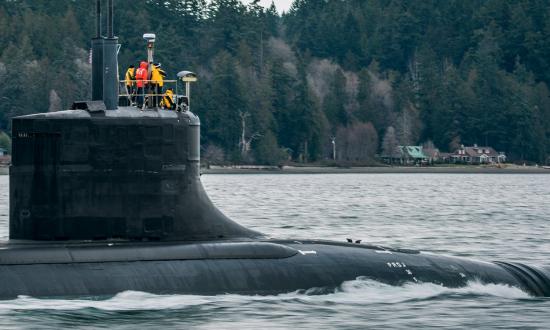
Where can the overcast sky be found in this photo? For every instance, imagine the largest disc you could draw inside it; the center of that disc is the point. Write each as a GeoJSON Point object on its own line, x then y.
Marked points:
{"type": "Point", "coordinates": [282, 5]}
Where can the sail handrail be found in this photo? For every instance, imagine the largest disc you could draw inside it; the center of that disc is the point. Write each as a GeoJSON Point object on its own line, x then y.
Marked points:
{"type": "Point", "coordinates": [147, 92]}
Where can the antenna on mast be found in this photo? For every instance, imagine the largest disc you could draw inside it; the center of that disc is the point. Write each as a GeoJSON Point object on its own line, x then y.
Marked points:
{"type": "Point", "coordinates": [110, 21]}
{"type": "Point", "coordinates": [98, 19]}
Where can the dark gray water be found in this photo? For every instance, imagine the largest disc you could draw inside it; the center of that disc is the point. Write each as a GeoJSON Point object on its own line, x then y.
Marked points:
{"type": "Point", "coordinates": [488, 217]}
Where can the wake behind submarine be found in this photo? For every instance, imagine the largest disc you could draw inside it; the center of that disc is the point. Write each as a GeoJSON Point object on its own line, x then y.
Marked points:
{"type": "Point", "coordinates": [106, 198]}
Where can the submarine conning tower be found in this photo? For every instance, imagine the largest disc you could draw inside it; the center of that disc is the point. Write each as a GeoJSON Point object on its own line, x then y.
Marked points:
{"type": "Point", "coordinates": [103, 172]}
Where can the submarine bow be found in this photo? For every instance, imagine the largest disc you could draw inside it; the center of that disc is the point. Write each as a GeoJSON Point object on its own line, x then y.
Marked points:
{"type": "Point", "coordinates": [105, 199]}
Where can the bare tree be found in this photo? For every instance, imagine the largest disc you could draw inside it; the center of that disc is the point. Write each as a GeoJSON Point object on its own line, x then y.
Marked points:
{"type": "Point", "coordinates": [319, 75]}
{"type": "Point", "coordinates": [428, 145]}
{"type": "Point", "coordinates": [55, 102]}
{"type": "Point", "coordinates": [414, 67]}
{"type": "Point", "coordinates": [357, 143]}
{"type": "Point", "coordinates": [244, 142]}
{"type": "Point", "coordinates": [390, 144]}
{"type": "Point", "coordinates": [455, 143]}
{"type": "Point", "coordinates": [363, 142]}
{"type": "Point", "coordinates": [214, 154]}
{"type": "Point", "coordinates": [341, 143]}
{"type": "Point", "coordinates": [279, 49]}
{"type": "Point", "coordinates": [382, 90]}
{"type": "Point", "coordinates": [409, 125]}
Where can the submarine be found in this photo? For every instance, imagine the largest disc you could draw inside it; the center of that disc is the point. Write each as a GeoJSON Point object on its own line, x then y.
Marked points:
{"type": "Point", "coordinates": [106, 198]}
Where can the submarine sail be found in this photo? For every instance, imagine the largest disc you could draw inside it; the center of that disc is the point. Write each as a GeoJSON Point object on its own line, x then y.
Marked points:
{"type": "Point", "coordinates": [107, 198]}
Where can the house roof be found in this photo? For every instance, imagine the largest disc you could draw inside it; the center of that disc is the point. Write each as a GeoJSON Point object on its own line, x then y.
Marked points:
{"type": "Point", "coordinates": [413, 151]}
{"type": "Point", "coordinates": [476, 151]}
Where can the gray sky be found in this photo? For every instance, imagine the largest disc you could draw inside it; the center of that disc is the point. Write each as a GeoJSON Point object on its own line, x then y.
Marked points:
{"type": "Point", "coordinates": [282, 5]}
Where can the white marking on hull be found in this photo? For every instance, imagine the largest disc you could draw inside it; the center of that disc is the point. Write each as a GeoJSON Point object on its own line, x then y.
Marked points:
{"type": "Point", "coordinates": [307, 252]}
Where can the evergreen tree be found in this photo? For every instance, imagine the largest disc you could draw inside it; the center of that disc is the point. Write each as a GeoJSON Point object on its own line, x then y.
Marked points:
{"type": "Point", "coordinates": [272, 20]}
{"type": "Point", "coordinates": [456, 71]}
{"type": "Point", "coordinates": [306, 124]}
{"type": "Point", "coordinates": [221, 118]}
{"type": "Point", "coordinates": [334, 105]}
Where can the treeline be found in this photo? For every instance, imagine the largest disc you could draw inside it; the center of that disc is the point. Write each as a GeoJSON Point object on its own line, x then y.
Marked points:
{"type": "Point", "coordinates": [364, 75]}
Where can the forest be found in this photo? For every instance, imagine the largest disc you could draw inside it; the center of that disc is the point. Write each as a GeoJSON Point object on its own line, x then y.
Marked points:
{"type": "Point", "coordinates": [364, 75]}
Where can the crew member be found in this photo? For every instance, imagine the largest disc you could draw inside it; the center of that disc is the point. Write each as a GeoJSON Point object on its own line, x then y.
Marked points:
{"type": "Point", "coordinates": [157, 82]}
{"type": "Point", "coordinates": [129, 79]}
{"type": "Point", "coordinates": [141, 78]}
{"type": "Point", "coordinates": [167, 101]}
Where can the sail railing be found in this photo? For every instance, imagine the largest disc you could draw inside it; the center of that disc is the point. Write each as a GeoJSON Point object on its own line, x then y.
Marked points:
{"type": "Point", "coordinates": [148, 98]}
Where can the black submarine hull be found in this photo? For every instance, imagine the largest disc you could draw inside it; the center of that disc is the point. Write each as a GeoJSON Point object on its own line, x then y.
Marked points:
{"type": "Point", "coordinates": [240, 267]}
{"type": "Point", "coordinates": [89, 217]}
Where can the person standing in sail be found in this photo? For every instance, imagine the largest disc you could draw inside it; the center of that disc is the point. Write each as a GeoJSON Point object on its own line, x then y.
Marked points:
{"type": "Point", "coordinates": [129, 80]}
{"type": "Point", "coordinates": [141, 82]}
{"type": "Point", "coordinates": [157, 82]}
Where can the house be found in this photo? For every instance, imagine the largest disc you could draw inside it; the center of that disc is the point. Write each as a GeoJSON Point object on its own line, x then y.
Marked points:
{"type": "Point", "coordinates": [406, 155]}
{"type": "Point", "coordinates": [477, 155]}
{"type": "Point", "coordinates": [413, 154]}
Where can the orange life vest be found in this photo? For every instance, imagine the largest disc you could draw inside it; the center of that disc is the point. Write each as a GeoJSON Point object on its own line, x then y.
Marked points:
{"type": "Point", "coordinates": [141, 74]}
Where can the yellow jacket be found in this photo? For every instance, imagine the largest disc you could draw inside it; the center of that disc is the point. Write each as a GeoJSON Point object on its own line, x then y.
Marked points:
{"type": "Point", "coordinates": [168, 100]}
{"type": "Point", "coordinates": [157, 75]}
{"type": "Point", "coordinates": [130, 76]}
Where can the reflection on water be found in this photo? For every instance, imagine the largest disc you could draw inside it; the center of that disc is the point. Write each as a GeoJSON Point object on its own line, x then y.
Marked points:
{"type": "Point", "coordinates": [488, 217]}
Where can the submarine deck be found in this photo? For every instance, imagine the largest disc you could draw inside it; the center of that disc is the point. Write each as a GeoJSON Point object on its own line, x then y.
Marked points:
{"type": "Point", "coordinates": [21, 252]}
{"type": "Point", "coordinates": [236, 266]}
{"type": "Point", "coordinates": [121, 112]}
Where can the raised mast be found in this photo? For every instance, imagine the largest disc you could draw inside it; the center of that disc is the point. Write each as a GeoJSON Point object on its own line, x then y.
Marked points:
{"type": "Point", "coordinates": [97, 58]}
{"type": "Point", "coordinates": [110, 64]}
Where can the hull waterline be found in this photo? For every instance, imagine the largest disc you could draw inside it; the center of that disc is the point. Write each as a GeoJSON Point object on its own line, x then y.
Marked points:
{"type": "Point", "coordinates": [245, 267]}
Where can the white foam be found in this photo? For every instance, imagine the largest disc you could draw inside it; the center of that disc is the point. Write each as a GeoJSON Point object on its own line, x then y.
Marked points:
{"type": "Point", "coordinates": [360, 291]}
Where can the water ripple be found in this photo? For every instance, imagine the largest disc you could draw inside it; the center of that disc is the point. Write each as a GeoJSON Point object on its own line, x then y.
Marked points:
{"type": "Point", "coordinates": [488, 217]}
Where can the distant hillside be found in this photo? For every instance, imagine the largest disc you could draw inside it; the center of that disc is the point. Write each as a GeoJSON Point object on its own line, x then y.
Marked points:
{"type": "Point", "coordinates": [365, 74]}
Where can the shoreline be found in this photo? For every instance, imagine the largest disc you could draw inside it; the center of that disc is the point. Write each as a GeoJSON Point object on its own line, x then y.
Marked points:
{"type": "Point", "coordinates": [362, 170]}
{"type": "Point", "coordinates": [373, 170]}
